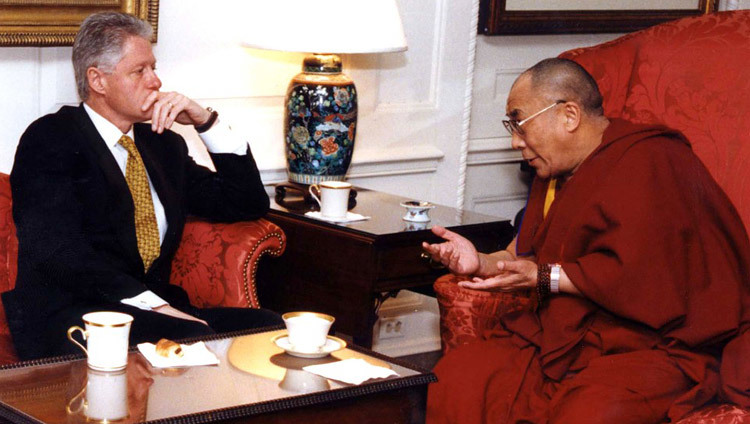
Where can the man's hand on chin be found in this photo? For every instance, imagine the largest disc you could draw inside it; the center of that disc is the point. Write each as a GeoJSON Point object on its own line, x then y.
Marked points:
{"type": "Point", "coordinates": [170, 107]}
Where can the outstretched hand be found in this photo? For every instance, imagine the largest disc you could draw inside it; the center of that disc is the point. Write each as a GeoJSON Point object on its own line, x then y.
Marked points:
{"type": "Point", "coordinates": [457, 253]}
{"type": "Point", "coordinates": [512, 275]}
{"type": "Point", "coordinates": [171, 107]}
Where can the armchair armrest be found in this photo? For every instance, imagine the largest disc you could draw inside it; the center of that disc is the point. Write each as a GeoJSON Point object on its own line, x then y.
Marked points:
{"type": "Point", "coordinates": [217, 263]}
{"type": "Point", "coordinates": [469, 315]}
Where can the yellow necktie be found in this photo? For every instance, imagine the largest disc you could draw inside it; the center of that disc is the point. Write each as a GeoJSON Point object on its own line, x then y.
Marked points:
{"type": "Point", "coordinates": [146, 229]}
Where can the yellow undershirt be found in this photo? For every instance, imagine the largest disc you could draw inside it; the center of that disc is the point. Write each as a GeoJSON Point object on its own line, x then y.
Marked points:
{"type": "Point", "coordinates": [550, 197]}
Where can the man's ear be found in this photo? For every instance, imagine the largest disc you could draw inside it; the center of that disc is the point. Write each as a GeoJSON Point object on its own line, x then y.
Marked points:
{"type": "Point", "coordinates": [96, 80]}
{"type": "Point", "coordinates": [573, 114]}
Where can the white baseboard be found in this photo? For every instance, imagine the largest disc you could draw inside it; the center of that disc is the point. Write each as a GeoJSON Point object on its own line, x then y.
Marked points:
{"type": "Point", "coordinates": [407, 325]}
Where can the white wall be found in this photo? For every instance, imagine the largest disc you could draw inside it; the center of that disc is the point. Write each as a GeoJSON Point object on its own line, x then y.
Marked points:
{"type": "Point", "coordinates": [411, 124]}
{"type": "Point", "coordinates": [410, 103]}
{"type": "Point", "coordinates": [494, 183]}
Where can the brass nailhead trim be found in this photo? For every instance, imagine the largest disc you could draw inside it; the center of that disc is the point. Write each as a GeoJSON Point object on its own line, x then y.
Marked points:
{"type": "Point", "coordinates": [253, 299]}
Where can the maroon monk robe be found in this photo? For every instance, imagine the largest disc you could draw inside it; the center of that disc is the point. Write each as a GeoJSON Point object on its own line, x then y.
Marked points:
{"type": "Point", "coordinates": [661, 257]}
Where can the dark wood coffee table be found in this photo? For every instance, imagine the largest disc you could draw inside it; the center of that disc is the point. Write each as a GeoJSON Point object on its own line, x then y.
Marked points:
{"type": "Point", "coordinates": [348, 270]}
{"type": "Point", "coordinates": [256, 382]}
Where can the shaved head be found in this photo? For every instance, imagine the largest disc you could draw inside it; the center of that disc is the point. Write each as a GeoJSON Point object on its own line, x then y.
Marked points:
{"type": "Point", "coordinates": [564, 79]}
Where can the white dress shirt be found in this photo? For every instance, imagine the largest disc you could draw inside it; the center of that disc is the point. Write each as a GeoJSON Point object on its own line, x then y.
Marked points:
{"type": "Point", "coordinates": [218, 139]}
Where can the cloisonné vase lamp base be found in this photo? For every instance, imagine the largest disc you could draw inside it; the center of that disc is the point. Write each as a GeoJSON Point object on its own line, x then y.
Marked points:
{"type": "Point", "coordinates": [320, 123]}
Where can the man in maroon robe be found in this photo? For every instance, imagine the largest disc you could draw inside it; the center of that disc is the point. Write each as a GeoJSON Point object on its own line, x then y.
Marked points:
{"type": "Point", "coordinates": [637, 260]}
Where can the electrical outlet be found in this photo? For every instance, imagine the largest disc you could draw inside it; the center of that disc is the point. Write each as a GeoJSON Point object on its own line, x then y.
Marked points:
{"type": "Point", "coordinates": [391, 328]}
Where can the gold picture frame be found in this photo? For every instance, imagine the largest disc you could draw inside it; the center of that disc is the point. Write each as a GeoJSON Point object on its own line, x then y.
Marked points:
{"type": "Point", "coordinates": [55, 22]}
{"type": "Point", "coordinates": [497, 18]}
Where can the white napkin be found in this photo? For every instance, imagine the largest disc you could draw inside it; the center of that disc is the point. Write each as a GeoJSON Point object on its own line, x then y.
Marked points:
{"type": "Point", "coordinates": [194, 355]}
{"type": "Point", "coordinates": [350, 217]}
{"type": "Point", "coordinates": [352, 371]}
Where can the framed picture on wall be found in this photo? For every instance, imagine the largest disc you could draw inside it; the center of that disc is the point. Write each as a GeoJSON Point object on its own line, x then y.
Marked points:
{"type": "Point", "coordinates": [508, 17]}
{"type": "Point", "coordinates": [55, 22]}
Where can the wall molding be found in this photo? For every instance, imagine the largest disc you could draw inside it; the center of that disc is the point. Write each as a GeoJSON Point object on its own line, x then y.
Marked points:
{"type": "Point", "coordinates": [433, 92]}
{"type": "Point", "coordinates": [511, 197]}
{"type": "Point", "coordinates": [499, 96]}
{"type": "Point", "coordinates": [492, 151]}
{"type": "Point", "coordinates": [463, 161]}
{"type": "Point", "coordinates": [414, 160]}
{"type": "Point", "coordinates": [440, 24]}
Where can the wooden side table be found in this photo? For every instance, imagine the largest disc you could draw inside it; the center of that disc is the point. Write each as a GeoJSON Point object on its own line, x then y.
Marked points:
{"type": "Point", "coordinates": [348, 270]}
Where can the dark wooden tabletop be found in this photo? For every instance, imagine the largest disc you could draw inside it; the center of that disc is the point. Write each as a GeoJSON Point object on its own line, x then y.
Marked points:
{"type": "Point", "coordinates": [254, 378]}
{"type": "Point", "coordinates": [385, 215]}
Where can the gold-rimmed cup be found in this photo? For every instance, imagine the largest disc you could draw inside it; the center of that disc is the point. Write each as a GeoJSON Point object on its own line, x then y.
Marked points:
{"type": "Point", "coordinates": [104, 398]}
{"type": "Point", "coordinates": [308, 331]}
{"type": "Point", "coordinates": [332, 197]}
{"type": "Point", "coordinates": [106, 335]}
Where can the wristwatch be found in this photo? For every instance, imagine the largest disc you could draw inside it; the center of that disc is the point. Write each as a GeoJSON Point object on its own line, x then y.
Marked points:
{"type": "Point", "coordinates": [209, 123]}
{"type": "Point", "coordinates": [554, 278]}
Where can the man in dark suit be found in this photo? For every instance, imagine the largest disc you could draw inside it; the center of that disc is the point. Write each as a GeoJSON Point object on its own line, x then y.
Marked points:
{"type": "Point", "coordinates": [80, 183]}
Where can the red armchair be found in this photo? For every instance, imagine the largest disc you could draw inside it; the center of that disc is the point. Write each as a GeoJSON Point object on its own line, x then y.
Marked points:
{"type": "Point", "coordinates": [216, 263]}
{"type": "Point", "coordinates": [692, 75]}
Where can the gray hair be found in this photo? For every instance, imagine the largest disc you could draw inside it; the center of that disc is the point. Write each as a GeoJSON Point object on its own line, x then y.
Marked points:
{"type": "Point", "coordinates": [100, 41]}
{"type": "Point", "coordinates": [565, 79]}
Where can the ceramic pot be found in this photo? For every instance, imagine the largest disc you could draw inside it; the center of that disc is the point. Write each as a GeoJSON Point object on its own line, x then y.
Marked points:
{"type": "Point", "coordinates": [320, 122]}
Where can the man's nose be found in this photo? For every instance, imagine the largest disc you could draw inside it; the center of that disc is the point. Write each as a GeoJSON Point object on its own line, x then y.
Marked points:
{"type": "Point", "coordinates": [153, 80]}
{"type": "Point", "coordinates": [516, 141]}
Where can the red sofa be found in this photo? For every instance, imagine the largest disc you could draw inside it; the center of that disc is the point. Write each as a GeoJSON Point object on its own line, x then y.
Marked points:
{"type": "Point", "coordinates": [215, 263]}
{"type": "Point", "coordinates": [692, 75]}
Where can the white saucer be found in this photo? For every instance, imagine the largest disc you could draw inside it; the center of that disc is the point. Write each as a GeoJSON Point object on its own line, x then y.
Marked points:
{"type": "Point", "coordinates": [350, 217]}
{"type": "Point", "coordinates": [332, 345]}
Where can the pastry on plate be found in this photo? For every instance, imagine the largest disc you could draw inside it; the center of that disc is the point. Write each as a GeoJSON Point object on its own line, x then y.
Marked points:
{"type": "Point", "coordinates": [169, 349]}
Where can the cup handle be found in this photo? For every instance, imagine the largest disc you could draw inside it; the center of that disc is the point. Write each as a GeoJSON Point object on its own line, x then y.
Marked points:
{"type": "Point", "coordinates": [70, 409]}
{"type": "Point", "coordinates": [312, 189]}
{"type": "Point", "coordinates": [84, 334]}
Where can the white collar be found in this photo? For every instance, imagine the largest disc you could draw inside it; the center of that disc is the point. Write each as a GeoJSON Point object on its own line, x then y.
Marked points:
{"type": "Point", "coordinates": [107, 130]}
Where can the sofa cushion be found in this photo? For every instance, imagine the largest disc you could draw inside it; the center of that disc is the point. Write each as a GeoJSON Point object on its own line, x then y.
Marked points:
{"type": "Point", "coordinates": [8, 241]}
{"type": "Point", "coordinates": [8, 269]}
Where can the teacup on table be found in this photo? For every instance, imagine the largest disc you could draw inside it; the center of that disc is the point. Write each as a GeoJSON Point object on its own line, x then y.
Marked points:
{"type": "Point", "coordinates": [417, 210]}
{"type": "Point", "coordinates": [308, 331]}
{"type": "Point", "coordinates": [334, 198]}
{"type": "Point", "coordinates": [106, 337]}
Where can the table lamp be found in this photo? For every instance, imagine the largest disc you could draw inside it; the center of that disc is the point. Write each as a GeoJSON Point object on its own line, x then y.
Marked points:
{"type": "Point", "coordinates": [320, 119]}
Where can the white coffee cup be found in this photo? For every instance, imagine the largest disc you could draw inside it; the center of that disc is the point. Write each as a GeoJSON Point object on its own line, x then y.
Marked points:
{"type": "Point", "coordinates": [334, 198]}
{"type": "Point", "coordinates": [308, 331]}
{"type": "Point", "coordinates": [301, 381]}
{"type": "Point", "coordinates": [106, 396]}
{"type": "Point", "coordinates": [106, 336]}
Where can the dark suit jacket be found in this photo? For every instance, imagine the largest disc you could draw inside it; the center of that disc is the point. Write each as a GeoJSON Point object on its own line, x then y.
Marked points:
{"type": "Point", "coordinates": [74, 216]}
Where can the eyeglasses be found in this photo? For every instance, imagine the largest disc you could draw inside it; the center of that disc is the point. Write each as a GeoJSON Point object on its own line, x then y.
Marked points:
{"type": "Point", "coordinates": [514, 126]}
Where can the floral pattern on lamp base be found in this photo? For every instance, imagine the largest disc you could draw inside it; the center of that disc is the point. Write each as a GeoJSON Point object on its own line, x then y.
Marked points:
{"type": "Point", "coordinates": [320, 124]}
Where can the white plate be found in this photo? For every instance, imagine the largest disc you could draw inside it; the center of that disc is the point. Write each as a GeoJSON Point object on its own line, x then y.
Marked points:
{"type": "Point", "coordinates": [350, 217]}
{"type": "Point", "coordinates": [332, 345]}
